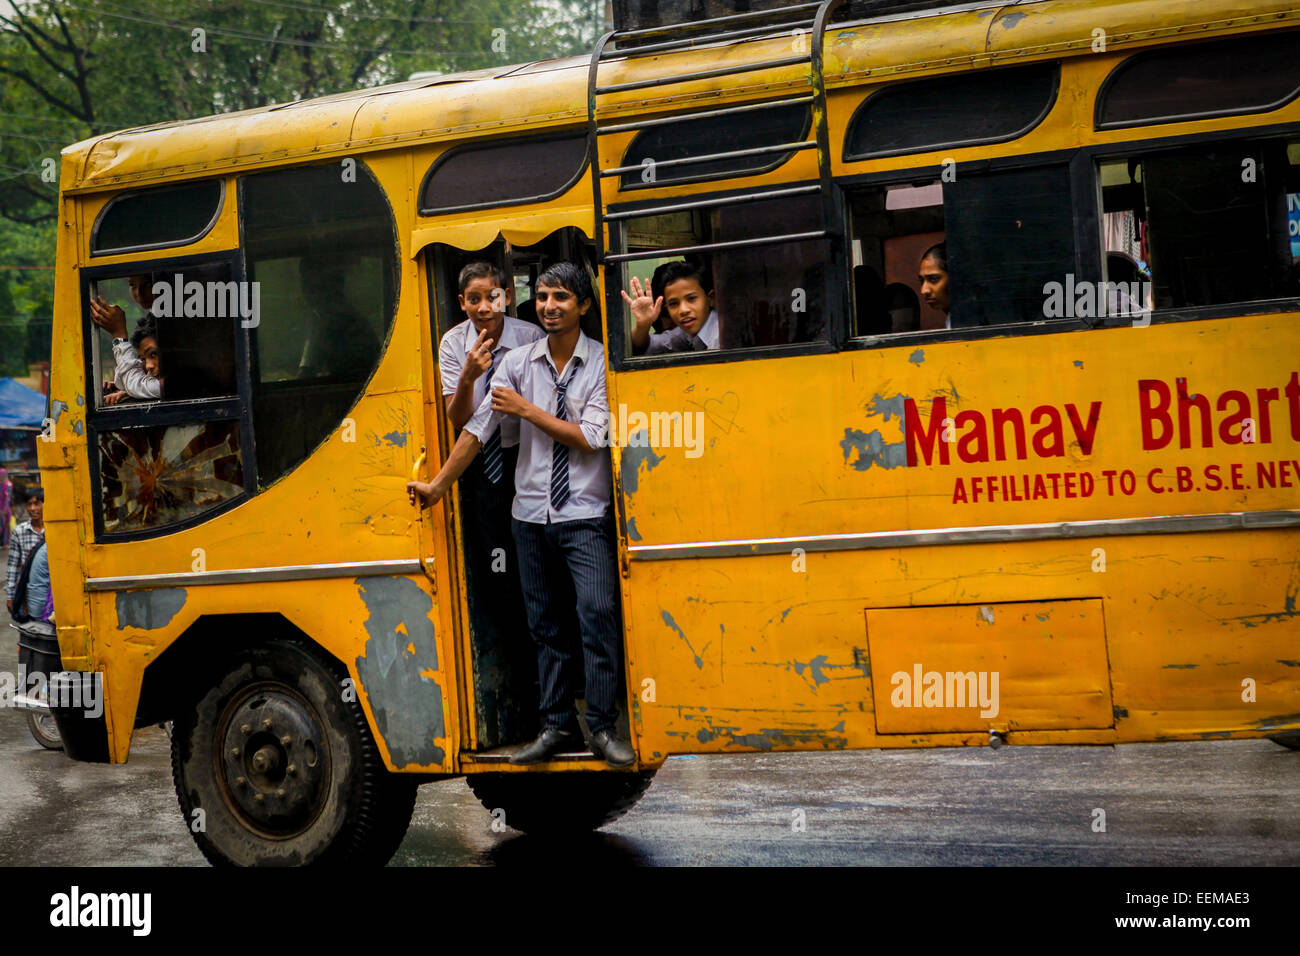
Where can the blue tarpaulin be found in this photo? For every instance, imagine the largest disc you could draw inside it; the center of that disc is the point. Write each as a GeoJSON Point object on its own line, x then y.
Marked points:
{"type": "Point", "coordinates": [20, 405]}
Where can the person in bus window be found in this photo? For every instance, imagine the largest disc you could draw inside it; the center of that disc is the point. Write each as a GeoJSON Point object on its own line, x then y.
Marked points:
{"type": "Point", "coordinates": [129, 375]}
{"type": "Point", "coordinates": [137, 369]}
{"type": "Point", "coordinates": [934, 280]}
{"type": "Point", "coordinates": [903, 308]}
{"type": "Point", "coordinates": [680, 286]}
{"type": "Point", "coordinates": [563, 517]}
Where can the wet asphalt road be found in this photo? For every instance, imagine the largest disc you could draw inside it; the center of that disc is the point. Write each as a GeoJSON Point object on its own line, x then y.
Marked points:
{"type": "Point", "coordinates": [1212, 803]}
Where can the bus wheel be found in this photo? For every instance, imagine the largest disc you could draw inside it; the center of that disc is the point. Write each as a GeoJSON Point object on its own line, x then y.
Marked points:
{"type": "Point", "coordinates": [274, 768]}
{"type": "Point", "coordinates": [559, 803]}
{"type": "Point", "coordinates": [1290, 739]}
{"type": "Point", "coordinates": [44, 729]}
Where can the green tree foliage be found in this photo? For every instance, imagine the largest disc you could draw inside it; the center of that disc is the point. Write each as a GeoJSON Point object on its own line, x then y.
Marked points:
{"type": "Point", "coordinates": [72, 69]}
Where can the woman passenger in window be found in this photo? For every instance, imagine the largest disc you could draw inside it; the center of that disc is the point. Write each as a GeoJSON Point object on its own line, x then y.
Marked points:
{"type": "Point", "coordinates": [681, 287]}
{"type": "Point", "coordinates": [934, 280]}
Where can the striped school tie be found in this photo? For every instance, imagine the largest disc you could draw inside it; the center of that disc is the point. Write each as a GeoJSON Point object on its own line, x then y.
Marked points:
{"type": "Point", "coordinates": [559, 450]}
{"type": "Point", "coordinates": [492, 455]}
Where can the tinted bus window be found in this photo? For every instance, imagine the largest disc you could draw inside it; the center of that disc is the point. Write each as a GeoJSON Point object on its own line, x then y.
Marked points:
{"type": "Point", "coordinates": [511, 171]}
{"type": "Point", "coordinates": [962, 110]}
{"type": "Point", "coordinates": [171, 216]}
{"type": "Point", "coordinates": [1206, 79]}
{"type": "Point", "coordinates": [652, 148]}
{"type": "Point", "coordinates": [323, 255]}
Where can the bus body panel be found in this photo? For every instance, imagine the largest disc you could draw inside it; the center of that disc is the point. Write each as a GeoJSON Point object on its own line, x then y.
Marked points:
{"type": "Point", "coordinates": [769, 651]}
{"type": "Point", "coordinates": [750, 653]}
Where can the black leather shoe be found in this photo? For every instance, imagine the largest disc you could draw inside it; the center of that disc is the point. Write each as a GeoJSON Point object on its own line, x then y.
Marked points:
{"type": "Point", "coordinates": [550, 741]}
{"type": "Point", "coordinates": [617, 753]}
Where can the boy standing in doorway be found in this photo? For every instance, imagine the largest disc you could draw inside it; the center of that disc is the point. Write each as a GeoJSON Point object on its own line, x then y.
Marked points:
{"type": "Point", "coordinates": [468, 357]}
{"type": "Point", "coordinates": [562, 518]}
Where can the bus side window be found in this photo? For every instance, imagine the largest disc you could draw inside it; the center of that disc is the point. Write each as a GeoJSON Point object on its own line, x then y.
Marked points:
{"type": "Point", "coordinates": [762, 295]}
{"type": "Point", "coordinates": [892, 227]}
{"type": "Point", "coordinates": [1002, 236]}
{"type": "Point", "coordinates": [181, 327]}
{"type": "Point", "coordinates": [322, 254]}
{"type": "Point", "coordinates": [1207, 225]}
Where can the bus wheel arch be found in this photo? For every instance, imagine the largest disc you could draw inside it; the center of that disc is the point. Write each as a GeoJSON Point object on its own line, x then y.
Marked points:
{"type": "Point", "coordinates": [283, 767]}
{"type": "Point", "coordinates": [186, 668]}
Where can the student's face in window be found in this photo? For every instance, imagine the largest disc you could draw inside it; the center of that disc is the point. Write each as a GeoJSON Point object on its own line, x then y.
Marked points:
{"type": "Point", "coordinates": [141, 291]}
{"type": "Point", "coordinates": [688, 304]}
{"type": "Point", "coordinates": [484, 303]}
{"type": "Point", "coordinates": [934, 285]}
{"type": "Point", "coordinates": [559, 309]}
{"type": "Point", "coordinates": [149, 356]}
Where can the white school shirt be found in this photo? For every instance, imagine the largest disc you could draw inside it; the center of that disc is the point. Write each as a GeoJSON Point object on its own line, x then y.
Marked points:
{"type": "Point", "coordinates": [455, 347]}
{"type": "Point", "coordinates": [129, 374]}
{"type": "Point", "coordinates": [679, 340]}
{"type": "Point", "coordinates": [530, 371]}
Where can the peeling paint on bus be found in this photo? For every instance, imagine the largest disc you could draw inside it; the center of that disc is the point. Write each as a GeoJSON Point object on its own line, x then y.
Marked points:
{"type": "Point", "coordinates": [149, 609]}
{"type": "Point", "coordinates": [400, 654]}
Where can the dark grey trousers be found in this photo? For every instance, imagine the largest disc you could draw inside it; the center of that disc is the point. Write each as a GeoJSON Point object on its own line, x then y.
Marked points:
{"type": "Point", "coordinates": [563, 567]}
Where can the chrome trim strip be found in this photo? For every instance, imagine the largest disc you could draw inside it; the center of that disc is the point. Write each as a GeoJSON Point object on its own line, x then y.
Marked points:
{"type": "Point", "coordinates": [1170, 524]}
{"type": "Point", "coordinates": [299, 572]}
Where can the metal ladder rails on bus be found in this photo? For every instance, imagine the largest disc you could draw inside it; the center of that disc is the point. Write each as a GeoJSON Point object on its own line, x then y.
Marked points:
{"type": "Point", "coordinates": [810, 17]}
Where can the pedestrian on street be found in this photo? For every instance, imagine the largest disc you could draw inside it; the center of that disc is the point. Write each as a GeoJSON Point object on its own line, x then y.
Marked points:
{"type": "Point", "coordinates": [26, 537]}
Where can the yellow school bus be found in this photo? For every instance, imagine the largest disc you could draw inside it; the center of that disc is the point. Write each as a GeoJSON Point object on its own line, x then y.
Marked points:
{"type": "Point", "coordinates": [1055, 504]}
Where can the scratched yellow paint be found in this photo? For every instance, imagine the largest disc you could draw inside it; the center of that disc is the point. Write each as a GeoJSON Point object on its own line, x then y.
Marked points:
{"type": "Point", "coordinates": [730, 643]}
{"type": "Point", "coordinates": [1198, 631]}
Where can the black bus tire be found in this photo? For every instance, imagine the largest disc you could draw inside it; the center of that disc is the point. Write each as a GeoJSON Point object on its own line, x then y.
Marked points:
{"type": "Point", "coordinates": [1290, 739]}
{"type": "Point", "coordinates": [273, 767]}
{"type": "Point", "coordinates": [559, 803]}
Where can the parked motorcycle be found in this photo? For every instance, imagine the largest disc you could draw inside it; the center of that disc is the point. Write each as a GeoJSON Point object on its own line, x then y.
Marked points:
{"type": "Point", "coordinates": [38, 659]}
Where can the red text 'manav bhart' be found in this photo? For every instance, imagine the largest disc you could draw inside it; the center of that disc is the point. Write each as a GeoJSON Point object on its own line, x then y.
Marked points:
{"type": "Point", "coordinates": [1165, 413]}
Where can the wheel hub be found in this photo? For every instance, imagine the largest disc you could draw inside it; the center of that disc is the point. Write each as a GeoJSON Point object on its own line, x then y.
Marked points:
{"type": "Point", "coordinates": [274, 761]}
